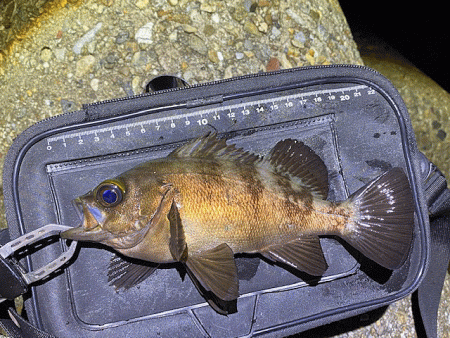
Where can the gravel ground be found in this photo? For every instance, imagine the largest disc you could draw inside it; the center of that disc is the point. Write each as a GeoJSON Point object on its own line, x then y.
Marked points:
{"type": "Point", "coordinates": [78, 52]}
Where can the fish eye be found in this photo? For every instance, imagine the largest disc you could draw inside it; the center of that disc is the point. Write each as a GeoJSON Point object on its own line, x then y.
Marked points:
{"type": "Point", "coordinates": [109, 194]}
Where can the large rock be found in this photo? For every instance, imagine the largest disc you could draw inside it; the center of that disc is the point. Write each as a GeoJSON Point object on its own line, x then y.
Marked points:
{"type": "Point", "coordinates": [119, 48]}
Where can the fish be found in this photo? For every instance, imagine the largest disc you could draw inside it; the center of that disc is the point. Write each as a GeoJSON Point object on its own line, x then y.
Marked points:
{"type": "Point", "coordinates": [208, 200]}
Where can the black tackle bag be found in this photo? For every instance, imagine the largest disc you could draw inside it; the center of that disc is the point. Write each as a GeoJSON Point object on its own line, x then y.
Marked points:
{"type": "Point", "coordinates": [351, 116]}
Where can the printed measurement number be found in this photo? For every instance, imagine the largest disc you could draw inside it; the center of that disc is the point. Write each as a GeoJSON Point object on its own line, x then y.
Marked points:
{"type": "Point", "coordinates": [204, 117]}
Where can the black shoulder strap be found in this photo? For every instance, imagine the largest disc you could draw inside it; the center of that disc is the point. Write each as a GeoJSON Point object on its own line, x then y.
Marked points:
{"type": "Point", "coordinates": [17, 327]}
{"type": "Point", "coordinates": [427, 297]}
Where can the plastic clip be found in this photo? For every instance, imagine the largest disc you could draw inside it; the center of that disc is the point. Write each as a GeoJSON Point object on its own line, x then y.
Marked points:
{"type": "Point", "coordinates": [17, 280]}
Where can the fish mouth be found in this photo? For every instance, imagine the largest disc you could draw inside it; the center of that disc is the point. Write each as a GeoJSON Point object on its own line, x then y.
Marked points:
{"type": "Point", "coordinates": [81, 234]}
{"type": "Point", "coordinates": [93, 233]}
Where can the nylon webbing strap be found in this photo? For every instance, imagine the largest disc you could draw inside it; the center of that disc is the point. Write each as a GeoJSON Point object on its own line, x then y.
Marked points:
{"type": "Point", "coordinates": [429, 291]}
{"type": "Point", "coordinates": [17, 327]}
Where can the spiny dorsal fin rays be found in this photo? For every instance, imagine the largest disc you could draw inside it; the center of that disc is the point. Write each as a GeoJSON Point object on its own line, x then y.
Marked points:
{"type": "Point", "coordinates": [300, 161]}
{"type": "Point", "coordinates": [287, 157]}
{"type": "Point", "coordinates": [209, 146]}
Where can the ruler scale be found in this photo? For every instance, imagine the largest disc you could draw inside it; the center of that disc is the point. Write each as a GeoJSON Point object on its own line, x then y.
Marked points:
{"type": "Point", "coordinates": [225, 113]}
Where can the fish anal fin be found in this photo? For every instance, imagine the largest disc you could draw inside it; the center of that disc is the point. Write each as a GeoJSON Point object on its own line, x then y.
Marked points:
{"type": "Point", "coordinates": [216, 271]}
{"type": "Point", "coordinates": [304, 254]}
{"type": "Point", "coordinates": [295, 158]}
{"type": "Point", "coordinates": [124, 274]}
{"type": "Point", "coordinates": [177, 241]}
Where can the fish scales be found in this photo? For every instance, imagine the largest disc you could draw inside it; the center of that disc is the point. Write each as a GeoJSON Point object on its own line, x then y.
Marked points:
{"type": "Point", "coordinates": [207, 201]}
{"type": "Point", "coordinates": [237, 208]}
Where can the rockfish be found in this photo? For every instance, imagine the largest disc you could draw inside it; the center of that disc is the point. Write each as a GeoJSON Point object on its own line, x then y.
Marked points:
{"type": "Point", "coordinates": [207, 201]}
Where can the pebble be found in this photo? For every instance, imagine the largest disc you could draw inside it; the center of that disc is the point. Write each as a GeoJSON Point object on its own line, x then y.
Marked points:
{"type": "Point", "coordinates": [122, 37]}
{"type": "Point", "coordinates": [239, 55]}
{"type": "Point", "coordinates": [215, 18]}
{"type": "Point", "coordinates": [273, 64]}
{"type": "Point", "coordinates": [94, 84]}
{"type": "Point", "coordinates": [197, 44]}
{"type": "Point", "coordinates": [60, 53]}
{"type": "Point", "coordinates": [213, 56]}
{"type": "Point", "coordinates": [188, 28]}
{"type": "Point", "coordinates": [205, 7]}
{"type": "Point", "coordinates": [275, 33]}
{"type": "Point", "coordinates": [84, 65]}
{"type": "Point", "coordinates": [145, 33]}
{"type": "Point", "coordinates": [111, 60]}
{"type": "Point", "coordinates": [141, 4]}
{"type": "Point", "coordinates": [46, 54]}
{"type": "Point", "coordinates": [173, 2]}
{"type": "Point", "coordinates": [441, 134]}
{"type": "Point", "coordinates": [136, 85]}
{"type": "Point", "coordinates": [139, 59]}
{"type": "Point", "coordinates": [248, 45]}
{"type": "Point", "coordinates": [86, 38]}
{"type": "Point", "coordinates": [263, 27]}
{"type": "Point", "coordinates": [251, 28]}
{"type": "Point", "coordinates": [173, 36]}
{"type": "Point", "coordinates": [310, 57]}
{"type": "Point", "coordinates": [209, 30]}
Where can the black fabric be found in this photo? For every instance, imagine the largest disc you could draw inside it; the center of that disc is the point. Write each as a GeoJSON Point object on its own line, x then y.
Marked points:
{"type": "Point", "coordinates": [12, 283]}
{"type": "Point", "coordinates": [24, 330]}
{"type": "Point", "coordinates": [429, 291]}
{"type": "Point", "coordinates": [31, 150]}
{"type": "Point", "coordinates": [427, 297]}
{"type": "Point", "coordinates": [4, 236]}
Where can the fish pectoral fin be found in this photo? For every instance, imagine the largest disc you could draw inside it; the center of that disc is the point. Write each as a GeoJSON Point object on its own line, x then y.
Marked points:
{"type": "Point", "coordinates": [216, 271]}
{"type": "Point", "coordinates": [177, 241]}
{"type": "Point", "coordinates": [124, 274]}
{"type": "Point", "coordinates": [304, 254]}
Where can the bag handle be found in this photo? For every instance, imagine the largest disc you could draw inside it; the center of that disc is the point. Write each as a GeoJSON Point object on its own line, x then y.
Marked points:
{"type": "Point", "coordinates": [427, 297]}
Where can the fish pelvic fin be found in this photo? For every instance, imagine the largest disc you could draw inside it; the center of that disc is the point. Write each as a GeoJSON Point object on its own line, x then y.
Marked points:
{"type": "Point", "coordinates": [211, 270]}
{"type": "Point", "coordinates": [381, 227]}
{"type": "Point", "coordinates": [302, 164]}
{"type": "Point", "coordinates": [215, 270]}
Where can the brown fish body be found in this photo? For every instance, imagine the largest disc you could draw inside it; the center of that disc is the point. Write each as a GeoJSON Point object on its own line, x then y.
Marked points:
{"type": "Point", "coordinates": [207, 201]}
{"type": "Point", "coordinates": [243, 206]}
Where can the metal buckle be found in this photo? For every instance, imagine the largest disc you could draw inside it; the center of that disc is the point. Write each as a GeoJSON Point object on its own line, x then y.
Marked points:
{"type": "Point", "coordinates": [32, 237]}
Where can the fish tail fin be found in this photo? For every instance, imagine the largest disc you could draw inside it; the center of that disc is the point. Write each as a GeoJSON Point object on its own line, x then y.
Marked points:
{"type": "Point", "coordinates": [381, 227]}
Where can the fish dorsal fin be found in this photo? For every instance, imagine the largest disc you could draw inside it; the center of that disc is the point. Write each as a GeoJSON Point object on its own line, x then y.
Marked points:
{"type": "Point", "coordinates": [211, 147]}
{"type": "Point", "coordinates": [304, 254]}
{"type": "Point", "coordinates": [298, 160]}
